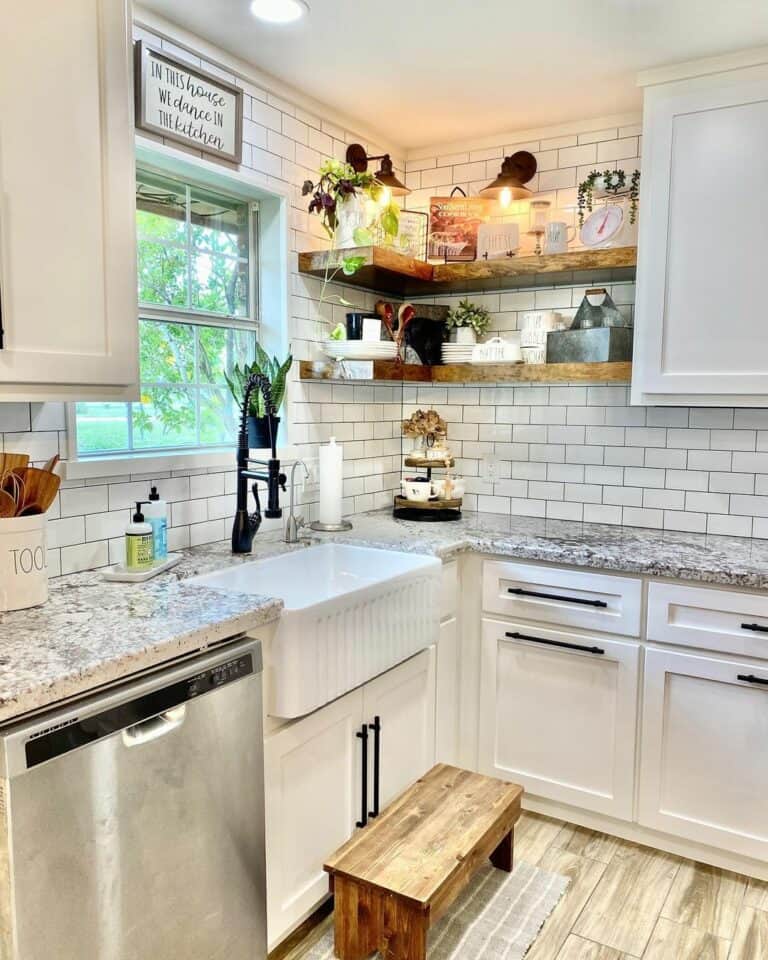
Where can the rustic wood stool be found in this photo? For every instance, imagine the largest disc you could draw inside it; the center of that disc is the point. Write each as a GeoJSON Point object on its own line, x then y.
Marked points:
{"type": "Point", "coordinates": [392, 881]}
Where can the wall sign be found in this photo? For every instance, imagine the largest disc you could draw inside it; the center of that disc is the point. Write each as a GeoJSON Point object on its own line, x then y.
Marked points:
{"type": "Point", "coordinates": [188, 105]}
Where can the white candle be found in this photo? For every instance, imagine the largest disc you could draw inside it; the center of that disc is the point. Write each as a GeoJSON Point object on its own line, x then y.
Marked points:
{"type": "Point", "coordinates": [331, 480]}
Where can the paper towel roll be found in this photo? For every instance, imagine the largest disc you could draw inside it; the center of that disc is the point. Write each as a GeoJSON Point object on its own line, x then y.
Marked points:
{"type": "Point", "coordinates": [331, 482]}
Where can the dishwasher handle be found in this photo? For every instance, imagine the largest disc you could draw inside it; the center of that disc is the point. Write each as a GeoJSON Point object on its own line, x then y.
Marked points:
{"type": "Point", "coordinates": [155, 727]}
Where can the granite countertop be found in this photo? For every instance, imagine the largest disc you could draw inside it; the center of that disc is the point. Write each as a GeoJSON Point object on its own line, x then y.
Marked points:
{"type": "Point", "coordinates": [92, 633]}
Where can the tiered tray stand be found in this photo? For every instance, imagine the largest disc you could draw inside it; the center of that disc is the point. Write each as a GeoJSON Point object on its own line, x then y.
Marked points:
{"type": "Point", "coordinates": [428, 511]}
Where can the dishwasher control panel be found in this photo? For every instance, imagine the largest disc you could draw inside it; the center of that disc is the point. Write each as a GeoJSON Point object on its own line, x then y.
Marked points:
{"type": "Point", "coordinates": [78, 731]}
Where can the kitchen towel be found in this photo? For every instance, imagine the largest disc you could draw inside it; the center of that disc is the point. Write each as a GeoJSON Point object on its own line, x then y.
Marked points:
{"type": "Point", "coordinates": [498, 916]}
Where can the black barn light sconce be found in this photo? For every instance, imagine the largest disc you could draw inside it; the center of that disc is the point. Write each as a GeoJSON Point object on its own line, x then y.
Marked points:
{"type": "Point", "coordinates": [358, 159]}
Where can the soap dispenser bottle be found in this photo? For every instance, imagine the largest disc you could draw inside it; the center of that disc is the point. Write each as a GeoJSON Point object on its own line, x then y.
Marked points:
{"type": "Point", "coordinates": [139, 549]}
{"type": "Point", "coordinates": [156, 514]}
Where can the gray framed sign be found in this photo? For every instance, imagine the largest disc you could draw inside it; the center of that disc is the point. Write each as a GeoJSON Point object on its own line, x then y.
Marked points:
{"type": "Point", "coordinates": [183, 103]}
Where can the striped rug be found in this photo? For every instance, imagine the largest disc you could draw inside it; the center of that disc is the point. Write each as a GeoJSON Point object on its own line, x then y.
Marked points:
{"type": "Point", "coordinates": [496, 918]}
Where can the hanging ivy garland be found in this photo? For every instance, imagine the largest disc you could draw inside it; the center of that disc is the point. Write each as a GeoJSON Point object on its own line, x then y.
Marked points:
{"type": "Point", "coordinates": [614, 181]}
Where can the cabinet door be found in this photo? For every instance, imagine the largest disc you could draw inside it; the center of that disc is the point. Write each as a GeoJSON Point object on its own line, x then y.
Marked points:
{"type": "Point", "coordinates": [558, 714]}
{"type": "Point", "coordinates": [447, 708]}
{"type": "Point", "coordinates": [701, 262]}
{"type": "Point", "coordinates": [312, 773]}
{"type": "Point", "coordinates": [704, 749]}
{"type": "Point", "coordinates": [67, 201]}
{"type": "Point", "coordinates": [404, 701]}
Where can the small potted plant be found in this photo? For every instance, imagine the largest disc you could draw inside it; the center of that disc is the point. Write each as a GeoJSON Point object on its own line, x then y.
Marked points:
{"type": "Point", "coordinates": [341, 196]}
{"type": "Point", "coordinates": [469, 320]}
{"type": "Point", "coordinates": [426, 428]}
{"type": "Point", "coordinates": [261, 428]}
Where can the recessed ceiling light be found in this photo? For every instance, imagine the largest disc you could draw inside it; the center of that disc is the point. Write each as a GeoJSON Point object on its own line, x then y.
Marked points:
{"type": "Point", "coordinates": [279, 11]}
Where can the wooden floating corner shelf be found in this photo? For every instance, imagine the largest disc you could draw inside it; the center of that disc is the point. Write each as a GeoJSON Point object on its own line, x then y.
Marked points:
{"type": "Point", "coordinates": [388, 371]}
{"type": "Point", "coordinates": [386, 271]}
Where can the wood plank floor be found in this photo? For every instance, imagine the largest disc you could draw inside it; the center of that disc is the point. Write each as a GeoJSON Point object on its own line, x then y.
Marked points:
{"type": "Point", "coordinates": [627, 902]}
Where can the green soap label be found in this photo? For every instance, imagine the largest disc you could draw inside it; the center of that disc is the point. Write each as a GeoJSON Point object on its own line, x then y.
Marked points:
{"type": "Point", "coordinates": [139, 551]}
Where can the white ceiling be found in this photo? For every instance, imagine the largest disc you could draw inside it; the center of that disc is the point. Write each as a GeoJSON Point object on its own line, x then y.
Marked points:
{"type": "Point", "coordinates": [430, 71]}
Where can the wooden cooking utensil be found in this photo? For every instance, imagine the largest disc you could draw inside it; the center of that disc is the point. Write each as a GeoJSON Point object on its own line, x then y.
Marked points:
{"type": "Point", "coordinates": [40, 489]}
{"type": "Point", "coordinates": [7, 505]}
{"type": "Point", "coordinates": [50, 466]}
{"type": "Point", "coordinates": [13, 461]}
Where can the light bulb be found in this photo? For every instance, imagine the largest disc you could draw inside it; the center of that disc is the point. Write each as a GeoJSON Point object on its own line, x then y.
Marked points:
{"type": "Point", "coordinates": [505, 197]}
{"type": "Point", "coordinates": [279, 11]}
{"type": "Point", "coordinates": [385, 197]}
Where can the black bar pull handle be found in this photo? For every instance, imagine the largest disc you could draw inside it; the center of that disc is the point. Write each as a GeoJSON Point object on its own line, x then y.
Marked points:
{"type": "Point", "coordinates": [362, 734]}
{"type": "Point", "coordinates": [556, 596]}
{"type": "Point", "coordinates": [757, 627]}
{"type": "Point", "coordinates": [376, 727]}
{"type": "Point", "coordinates": [751, 678]}
{"type": "Point", "coordinates": [556, 643]}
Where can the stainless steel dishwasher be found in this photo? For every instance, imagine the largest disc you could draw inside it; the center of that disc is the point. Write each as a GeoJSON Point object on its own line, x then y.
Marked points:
{"type": "Point", "coordinates": [134, 820]}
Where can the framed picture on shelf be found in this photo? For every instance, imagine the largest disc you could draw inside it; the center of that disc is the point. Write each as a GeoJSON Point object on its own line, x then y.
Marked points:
{"type": "Point", "coordinates": [454, 223]}
{"type": "Point", "coordinates": [411, 238]}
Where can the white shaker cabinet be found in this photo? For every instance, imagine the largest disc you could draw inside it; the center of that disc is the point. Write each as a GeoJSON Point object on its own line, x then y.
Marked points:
{"type": "Point", "coordinates": [700, 336]}
{"type": "Point", "coordinates": [316, 792]}
{"type": "Point", "coordinates": [558, 714]}
{"type": "Point", "coordinates": [704, 756]}
{"type": "Point", "coordinates": [67, 202]}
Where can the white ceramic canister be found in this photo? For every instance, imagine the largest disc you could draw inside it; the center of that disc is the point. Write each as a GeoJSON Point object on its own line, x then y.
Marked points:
{"type": "Point", "coordinates": [23, 562]}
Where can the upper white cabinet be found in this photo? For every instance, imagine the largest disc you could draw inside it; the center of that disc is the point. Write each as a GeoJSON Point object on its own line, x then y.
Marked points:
{"type": "Point", "coordinates": [67, 202]}
{"type": "Point", "coordinates": [700, 335]}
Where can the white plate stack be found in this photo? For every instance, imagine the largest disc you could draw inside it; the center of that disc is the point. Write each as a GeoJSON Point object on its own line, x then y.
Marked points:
{"type": "Point", "coordinates": [458, 352]}
{"type": "Point", "coordinates": [361, 349]}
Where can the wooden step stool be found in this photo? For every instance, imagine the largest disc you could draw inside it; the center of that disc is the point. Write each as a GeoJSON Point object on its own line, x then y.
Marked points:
{"type": "Point", "coordinates": [392, 881]}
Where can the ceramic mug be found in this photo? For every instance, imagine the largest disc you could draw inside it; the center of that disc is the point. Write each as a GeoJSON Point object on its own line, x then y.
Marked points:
{"type": "Point", "coordinates": [556, 237]}
{"type": "Point", "coordinates": [452, 488]}
{"type": "Point", "coordinates": [416, 488]}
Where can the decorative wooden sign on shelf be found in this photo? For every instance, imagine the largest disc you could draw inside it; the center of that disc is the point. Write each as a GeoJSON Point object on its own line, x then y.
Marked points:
{"type": "Point", "coordinates": [186, 104]}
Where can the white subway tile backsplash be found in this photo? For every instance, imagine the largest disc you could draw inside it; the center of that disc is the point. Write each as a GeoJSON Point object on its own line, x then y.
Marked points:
{"type": "Point", "coordinates": [562, 451]}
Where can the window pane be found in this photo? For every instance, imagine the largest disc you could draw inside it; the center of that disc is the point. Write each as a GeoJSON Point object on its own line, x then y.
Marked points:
{"type": "Point", "coordinates": [219, 284]}
{"type": "Point", "coordinates": [161, 209]}
{"type": "Point", "coordinates": [167, 352]}
{"type": "Point", "coordinates": [219, 349]}
{"type": "Point", "coordinates": [166, 417]}
{"type": "Point", "coordinates": [162, 274]}
{"type": "Point", "coordinates": [217, 416]}
{"type": "Point", "coordinates": [219, 224]}
{"type": "Point", "coordinates": [102, 427]}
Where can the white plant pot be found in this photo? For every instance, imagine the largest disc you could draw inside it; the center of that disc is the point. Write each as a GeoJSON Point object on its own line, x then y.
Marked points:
{"type": "Point", "coordinates": [350, 215]}
{"type": "Point", "coordinates": [23, 562]}
{"type": "Point", "coordinates": [466, 335]}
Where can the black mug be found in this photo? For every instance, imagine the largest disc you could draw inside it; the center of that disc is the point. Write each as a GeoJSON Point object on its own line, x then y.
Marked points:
{"type": "Point", "coordinates": [355, 325]}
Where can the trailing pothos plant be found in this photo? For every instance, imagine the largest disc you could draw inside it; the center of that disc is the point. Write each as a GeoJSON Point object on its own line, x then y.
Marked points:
{"type": "Point", "coordinates": [337, 183]}
{"type": "Point", "coordinates": [613, 181]}
{"type": "Point", "coordinates": [271, 368]}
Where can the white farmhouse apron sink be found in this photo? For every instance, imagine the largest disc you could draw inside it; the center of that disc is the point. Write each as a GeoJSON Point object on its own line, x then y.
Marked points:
{"type": "Point", "coordinates": [350, 614]}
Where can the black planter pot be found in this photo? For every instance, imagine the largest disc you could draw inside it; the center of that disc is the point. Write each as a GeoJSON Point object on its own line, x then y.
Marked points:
{"type": "Point", "coordinates": [259, 432]}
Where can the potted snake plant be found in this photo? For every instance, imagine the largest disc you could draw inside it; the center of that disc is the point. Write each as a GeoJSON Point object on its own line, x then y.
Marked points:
{"type": "Point", "coordinates": [261, 427]}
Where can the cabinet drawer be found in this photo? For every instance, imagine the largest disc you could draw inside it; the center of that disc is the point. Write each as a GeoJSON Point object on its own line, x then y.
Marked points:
{"type": "Point", "coordinates": [558, 714]}
{"type": "Point", "coordinates": [572, 598]}
{"type": "Point", "coordinates": [704, 771]}
{"type": "Point", "coordinates": [449, 590]}
{"type": "Point", "coordinates": [721, 620]}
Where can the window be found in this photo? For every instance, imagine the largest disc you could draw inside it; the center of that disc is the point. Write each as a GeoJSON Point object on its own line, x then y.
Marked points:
{"type": "Point", "coordinates": [198, 312]}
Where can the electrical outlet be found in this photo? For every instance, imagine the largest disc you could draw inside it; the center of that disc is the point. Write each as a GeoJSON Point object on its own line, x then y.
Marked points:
{"type": "Point", "coordinates": [489, 468]}
{"type": "Point", "coordinates": [313, 480]}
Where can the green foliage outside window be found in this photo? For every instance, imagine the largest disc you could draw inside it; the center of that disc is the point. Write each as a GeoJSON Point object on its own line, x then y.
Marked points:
{"type": "Point", "coordinates": [193, 251]}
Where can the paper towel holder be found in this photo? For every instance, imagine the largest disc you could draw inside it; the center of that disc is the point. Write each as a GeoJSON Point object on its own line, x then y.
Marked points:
{"type": "Point", "coordinates": [330, 527]}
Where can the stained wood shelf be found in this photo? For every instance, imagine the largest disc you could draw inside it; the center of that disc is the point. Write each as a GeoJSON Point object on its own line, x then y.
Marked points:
{"type": "Point", "coordinates": [430, 463]}
{"type": "Point", "coordinates": [386, 271]}
{"type": "Point", "coordinates": [391, 372]}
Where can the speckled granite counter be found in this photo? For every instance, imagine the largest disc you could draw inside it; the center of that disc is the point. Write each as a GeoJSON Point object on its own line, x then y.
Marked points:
{"type": "Point", "coordinates": [91, 633]}
{"type": "Point", "coordinates": [730, 561]}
